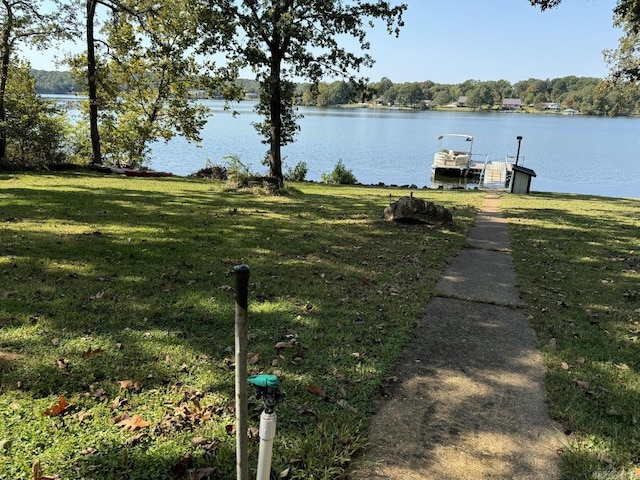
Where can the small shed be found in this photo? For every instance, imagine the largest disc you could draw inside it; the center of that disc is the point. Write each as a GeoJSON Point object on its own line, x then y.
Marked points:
{"type": "Point", "coordinates": [521, 179]}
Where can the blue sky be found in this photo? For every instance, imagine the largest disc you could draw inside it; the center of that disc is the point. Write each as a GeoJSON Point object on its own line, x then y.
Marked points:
{"type": "Point", "coordinates": [450, 41]}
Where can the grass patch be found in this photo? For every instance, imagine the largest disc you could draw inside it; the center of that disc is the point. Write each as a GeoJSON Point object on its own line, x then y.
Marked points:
{"type": "Point", "coordinates": [578, 264]}
{"type": "Point", "coordinates": [116, 293]}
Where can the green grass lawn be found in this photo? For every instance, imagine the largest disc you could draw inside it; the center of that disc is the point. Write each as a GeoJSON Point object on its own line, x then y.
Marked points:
{"type": "Point", "coordinates": [117, 293]}
{"type": "Point", "coordinates": [578, 264]}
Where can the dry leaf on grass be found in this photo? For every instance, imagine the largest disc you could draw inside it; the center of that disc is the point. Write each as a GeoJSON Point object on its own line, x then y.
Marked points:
{"type": "Point", "coordinates": [131, 423]}
{"type": "Point", "coordinates": [36, 472]}
{"type": "Point", "coordinates": [57, 408]}
{"type": "Point", "coordinates": [317, 390]}
{"type": "Point", "coordinates": [253, 358]}
{"type": "Point", "coordinates": [92, 353]}
{"type": "Point", "coordinates": [127, 384]}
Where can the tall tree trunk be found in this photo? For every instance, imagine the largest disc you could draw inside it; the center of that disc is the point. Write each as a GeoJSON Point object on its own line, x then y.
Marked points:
{"type": "Point", "coordinates": [4, 72]}
{"type": "Point", "coordinates": [92, 85]}
{"type": "Point", "coordinates": [275, 153]}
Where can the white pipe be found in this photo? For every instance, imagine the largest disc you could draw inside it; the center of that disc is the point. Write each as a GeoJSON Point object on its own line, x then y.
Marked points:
{"type": "Point", "coordinates": [267, 434]}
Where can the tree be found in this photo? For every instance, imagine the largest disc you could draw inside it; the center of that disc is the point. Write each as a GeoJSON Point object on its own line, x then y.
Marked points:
{"type": "Point", "coordinates": [409, 94]}
{"type": "Point", "coordinates": [286, 39]}
{"type": "Point", "coordinates": [383, 85]}
{"type": "Point", "coordinates": [24, 21]}
{"type": "Point", "coordinates": [35, 128]}
{"type": "Point", "coordinates": [334, 93]}
{"type": "Point", "coordinates": [140, 87]}
{"type": "Point", "coordinates": [479, 96]}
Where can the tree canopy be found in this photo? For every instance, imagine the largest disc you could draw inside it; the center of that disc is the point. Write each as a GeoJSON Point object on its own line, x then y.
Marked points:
{"type": "Point", "coordinates": [282, 40]}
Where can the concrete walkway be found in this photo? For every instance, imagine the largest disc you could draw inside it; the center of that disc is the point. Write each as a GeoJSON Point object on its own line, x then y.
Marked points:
{"type": "Point", "coordinates": [469, 402]}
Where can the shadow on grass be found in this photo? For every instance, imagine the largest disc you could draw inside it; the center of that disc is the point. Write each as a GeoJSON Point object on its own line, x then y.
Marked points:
{"type": "Point", "coordinates": [578, 261]}
{"type": "Point", "coordinates": [131, 280]}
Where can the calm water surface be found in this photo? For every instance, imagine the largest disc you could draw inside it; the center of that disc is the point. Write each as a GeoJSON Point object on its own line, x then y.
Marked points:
{"type": "Point", "coordinates": [570, 154]}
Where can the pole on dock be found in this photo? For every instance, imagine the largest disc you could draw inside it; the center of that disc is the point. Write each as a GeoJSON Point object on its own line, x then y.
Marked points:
{"type": "Point", "coordinates": [519, 139]}
{"type": "Point", "coordinates": [242, 413]}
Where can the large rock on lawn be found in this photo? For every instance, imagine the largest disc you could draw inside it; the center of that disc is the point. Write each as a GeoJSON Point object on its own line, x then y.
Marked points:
{"type": "Point", "coordinates": [415, 210]}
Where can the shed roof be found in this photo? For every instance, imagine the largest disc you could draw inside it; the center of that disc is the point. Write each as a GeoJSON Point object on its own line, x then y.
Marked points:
{"type": "Point", "coordinates": [528, 171]}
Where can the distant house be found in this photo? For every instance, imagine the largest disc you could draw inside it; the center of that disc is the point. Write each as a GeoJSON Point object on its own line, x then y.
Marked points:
{"type": "Point", "coordinates": [550, 106]}
{"type": "Point", "coordinates": [511, 104]}
{"type": "Point", "coordinates": [462, 102]}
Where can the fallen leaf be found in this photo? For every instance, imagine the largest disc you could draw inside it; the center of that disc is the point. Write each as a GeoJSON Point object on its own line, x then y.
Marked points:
{"type": "Point", "coordinates": [133, 423]}
{"type": "Point", "coordinates": [57, 408]}
{"type": "Point", "coordinates": [135, 439]}
{"type": "Point", "coordinates": [181, 467]}
{"type": "Point", "coordinates": [606, 459]}
{"type": "Point", "coordinates": [36, 470]}
{"type": "Point", "coordinates": [63, 363]}
{"type": "Point", "coordinates": [127, 384]}
{"type": "Point", "coordinates": [99, 394]}
{"type": "Point", "coordinates": [253, 358]}
{"type": "Point", "coordinates": [285, 473]}
{"type": "Point", "coordinates": [119, 418]}
{"type": "Point", "coordinates": [316, 390]}
{"type": "Point", "coordinates": [92, 353]}
{"type": "Point", "coordinates": [564, 365]}
{"type": "Point", "coordinates": [82, 416]}
{"type": "Point", "coordinates": [613, 412]}
{"type": "Point", "coordinates": [117, 403]}
{"type": "Point", "coordinates": [344, 404]}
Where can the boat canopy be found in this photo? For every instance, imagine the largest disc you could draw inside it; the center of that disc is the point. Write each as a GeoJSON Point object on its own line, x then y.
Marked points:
{"type": "Point", "coordinates": [467, 138]}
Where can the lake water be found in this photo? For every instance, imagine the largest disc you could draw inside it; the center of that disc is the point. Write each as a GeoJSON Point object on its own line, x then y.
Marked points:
{"type": "Point", "coordinates": [570, 154]}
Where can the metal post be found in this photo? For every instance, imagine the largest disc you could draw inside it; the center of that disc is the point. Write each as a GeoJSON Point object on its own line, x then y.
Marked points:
{"type": "Point", "coordinates": [519, 139]}
{"type": "Point", "coordinates": [242, 290]}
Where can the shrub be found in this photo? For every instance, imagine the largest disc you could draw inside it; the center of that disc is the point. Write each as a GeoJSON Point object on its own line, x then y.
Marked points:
{"type": "Point", "coordinates": [298, 173]}
{"type": "Point", "coordinates": [340, 175]}
{"type": "Point", "coordinates": [237, 171]}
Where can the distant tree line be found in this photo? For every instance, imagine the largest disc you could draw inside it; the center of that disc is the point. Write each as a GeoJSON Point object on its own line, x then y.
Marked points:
{"type": "Point", "coordinates": [591, 96]}
{"type": "Point", "coordinates": [586, 94]}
